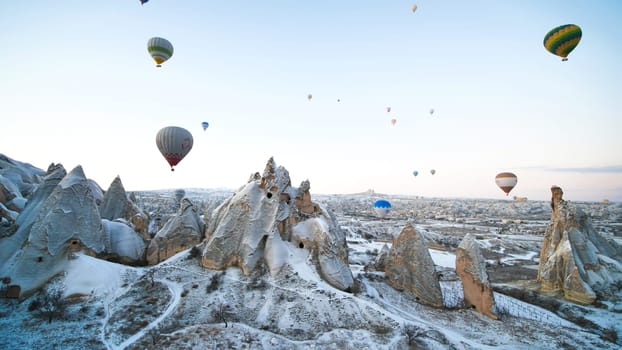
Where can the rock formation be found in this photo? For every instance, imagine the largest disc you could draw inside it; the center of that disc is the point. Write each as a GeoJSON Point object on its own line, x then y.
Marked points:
{"type": "Point", "coordinates": [575, 259]}
{"type": "Point", "coordinates": [380, 263]}
{"type": "Point", "coordinates": [116, 204]}
{"type": "Point", "coordinates": [7, 216]}
{"type": "Point", "coordinates": [471, 267]}
{"type": "Point", "coordinates": [17, 233]}
{"type": "Point", "coordinates": [23, 175]}
{"type": "Point", "coordinates": [266, 217]}
{"type": "Point", "coordinates": [409, 266]}
{"type": "Point", "coordinates": [8, 190]}
{"type": "Point", "coordinates": [122, 243]}
{"type": "Point", "coordinates": [184, 230]}
{"type": "Point", "coordinates": [97, 191]}
{"type": "Point", "coordinates": [67, 220]}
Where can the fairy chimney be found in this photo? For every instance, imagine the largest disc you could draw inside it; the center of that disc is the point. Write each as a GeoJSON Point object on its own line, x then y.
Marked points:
{"type": "Point", "coordinates": [471, 267]}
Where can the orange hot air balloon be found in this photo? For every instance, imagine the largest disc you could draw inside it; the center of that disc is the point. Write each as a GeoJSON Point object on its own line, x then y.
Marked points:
{"type": "Point", "coordinates": [393, 121]}
{"type": "Point", "coordinates": [174, 143]}
{"type": "Point", "coordinates": [506, 182]}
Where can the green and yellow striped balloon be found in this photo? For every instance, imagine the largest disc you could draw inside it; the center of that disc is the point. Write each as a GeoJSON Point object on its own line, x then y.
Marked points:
{"type": "Point", "coordinates": [160, 50]}
{"type": "Point", "coordinates": [562, 40]}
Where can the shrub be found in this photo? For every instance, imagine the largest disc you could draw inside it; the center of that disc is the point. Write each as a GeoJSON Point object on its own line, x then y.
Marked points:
{"type": "Point", "coordinates": [194, 252]}
{"type": "Point", "coordinates": [51, 305]}
{"type": "Point", "coordinates": [223, 312]}
{"type": "Point", "coordinates": [214, 282]}
{"type": "Point", "coordinates": [150, 276]}
{"type": "Point", "coordinates": [411, 332]}
{"type": "Point", "coordinates": [155, 335]}
{"type": "Point", "coordinates": [257, 283]}
{"type": "Point", "coordinates": [610, 335]}
{"type": "Point", "coordinates": [4, 286]}
{"type": "Point", "coordinates": [35, 304]}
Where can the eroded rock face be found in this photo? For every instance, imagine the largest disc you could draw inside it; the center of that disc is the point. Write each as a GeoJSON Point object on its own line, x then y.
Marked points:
{"type": "Point", "coordinates": [409, 266]}
{"type": "Point", "coordinates": [122, 243]}
{"type": "Point", "coordinates": [67, 220]}
{"type": "Point", "coordinates": [184, 230]}
{"type": "Point", "coordinates": [23, 176]}
{"type": "Point", "coordinates": [328, 248]}
{"type": "Point", "coordinates": [471, 267]}
{"type": "Point", "coordinates": [116, 204]}
{"type": "Point", "coordinates": [267, 217]}
{"type": "Point", "coordinates": [7, 217]}
{"type": "Point", "coordinates": [8, 190]}
{"type": "Point", "coordinates": [380, 263]}
{"type": "Point", "coordinates": [17, 234]}
{"type": "Point", "coordinates": [575, 259]}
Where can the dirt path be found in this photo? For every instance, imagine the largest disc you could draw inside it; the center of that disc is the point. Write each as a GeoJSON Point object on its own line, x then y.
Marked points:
{"type": "Point", "coordinates": [175, 290]}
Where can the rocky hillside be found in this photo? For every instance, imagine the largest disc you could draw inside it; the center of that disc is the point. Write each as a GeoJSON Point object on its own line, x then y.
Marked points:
{"type": "Point", "coordinates": [271, 266]}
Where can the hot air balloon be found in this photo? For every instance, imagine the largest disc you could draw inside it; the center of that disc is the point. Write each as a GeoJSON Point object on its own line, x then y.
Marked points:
{"type": "Point", "coordinates": [506, 182]}
{"type": "Point", "coordinates": [388, 109]}
{"type": "Point", "coordinates": [174, 143]}
{"type": "Point", "coordinates": [432, 171]}
{"type": "Point", "coordinates": [142, 2]}
{"type": "Point", "coordinates": [415, 173]}
{"type": "Point", "coordinates": [393, 121]}
{"type": "Point", "coordinates": [309, 97]}
{"type": "Point", "coordinates": [382, 208]}
{"type": "Point", "coordinates": [204, 125]}
{"type": "Point", "coordinates": [431, 111]}
{"type": "Point", "coordinates": [413, 8]}
{"type": "Point", "coordinates": [160, 50]}
{"type": "Point", "coordinates": [562, 40]}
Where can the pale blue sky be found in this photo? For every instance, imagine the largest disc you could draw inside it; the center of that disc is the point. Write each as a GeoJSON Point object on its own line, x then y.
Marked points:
{"type": "Point", "coordinates": [77, 86]}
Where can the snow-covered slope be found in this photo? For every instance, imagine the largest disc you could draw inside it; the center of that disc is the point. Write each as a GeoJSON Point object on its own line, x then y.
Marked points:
{"type": "Point", "coordinates": [178, 304]}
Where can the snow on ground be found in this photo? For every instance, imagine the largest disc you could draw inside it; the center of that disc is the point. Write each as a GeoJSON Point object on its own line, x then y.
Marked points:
{"type": "Point", "coordinates": [433, 329]}
{"type": "Point", "coordinates": [122, 309]}
{"type": "Point", "coordinates": [86, 275]}
{"type": "Point", "coordinates": [175, 290]}
{"type": "Point", "coordinates": [443, 258]}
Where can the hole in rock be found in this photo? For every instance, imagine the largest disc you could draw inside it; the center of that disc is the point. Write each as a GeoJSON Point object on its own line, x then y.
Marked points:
{"type": "Point", "coordinates": [301, 245]}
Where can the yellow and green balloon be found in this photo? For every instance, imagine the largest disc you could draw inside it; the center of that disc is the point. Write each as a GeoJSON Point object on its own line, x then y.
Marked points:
{"type": "Point", "coordinates": [562, 40]}
{"type": "Point", "coordinates": [160, 50]}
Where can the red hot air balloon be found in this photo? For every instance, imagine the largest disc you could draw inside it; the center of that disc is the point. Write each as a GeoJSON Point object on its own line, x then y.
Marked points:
{"type": "Point", "coordinates": [506, 182]}
{"type": "Point", "coordinates": [174, 143]}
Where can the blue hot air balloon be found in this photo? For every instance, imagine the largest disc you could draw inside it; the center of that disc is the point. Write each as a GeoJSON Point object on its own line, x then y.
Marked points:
{"type": "Point", "coordinates": [204, 125]}
{"type": "Point", "coordinates": [415, 173]}
{"type": "Point", "coordinates": [382, 208]}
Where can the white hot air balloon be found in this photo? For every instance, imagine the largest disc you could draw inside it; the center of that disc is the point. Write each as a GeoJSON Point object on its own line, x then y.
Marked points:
{"type": "Point", "coordinates": [506, 181]}
{"type": "Point", "coordinates": [174, 143]}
